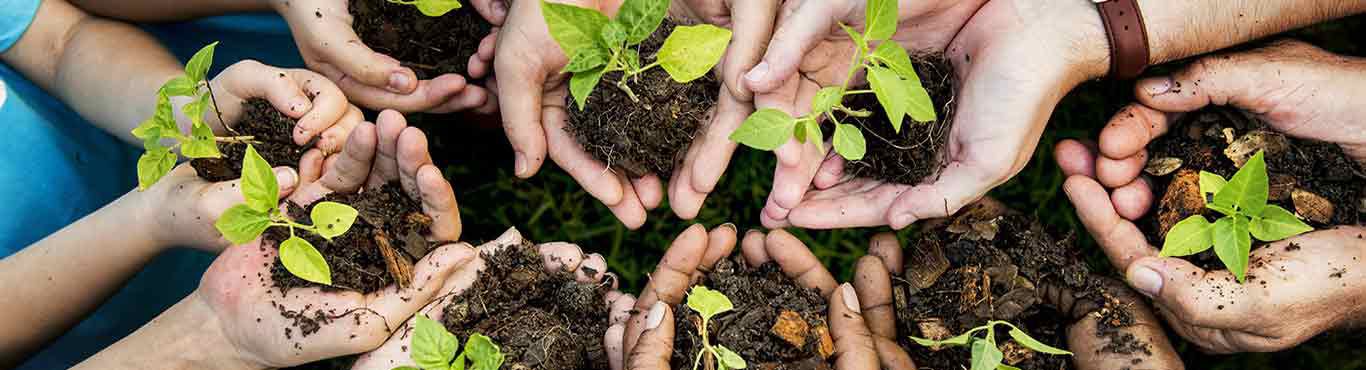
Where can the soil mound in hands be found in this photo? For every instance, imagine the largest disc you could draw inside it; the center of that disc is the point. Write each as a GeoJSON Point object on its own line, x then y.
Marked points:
{"type": "Point", "coordinates": [430, 46]}
{"type": "Point", "coordinates": [917, 152]}
{"type": "Point", "coordinates": [272, 134]}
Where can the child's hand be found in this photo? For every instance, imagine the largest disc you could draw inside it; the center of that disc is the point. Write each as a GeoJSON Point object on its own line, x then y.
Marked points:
{"type": "Point", "coordinates": [318, 105]}
{"type": "Point", "coordinates": [184, 207]}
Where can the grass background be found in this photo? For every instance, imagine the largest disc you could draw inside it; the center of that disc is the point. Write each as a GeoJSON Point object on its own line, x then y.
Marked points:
{"type": "Point", "coordinates": [551, 206]}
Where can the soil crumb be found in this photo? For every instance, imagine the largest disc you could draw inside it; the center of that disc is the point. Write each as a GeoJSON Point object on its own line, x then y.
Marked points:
{"type": "Point", "coordinates": [917, 152]}
{"type": "Point", "coordinates": [274, 136]}
{"type": "Point", "coordinates": [429, 46]}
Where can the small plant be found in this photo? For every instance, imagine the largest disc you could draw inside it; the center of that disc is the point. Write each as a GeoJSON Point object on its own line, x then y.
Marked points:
{"type": "Point", "coordinates": [1242, 201]}
{"type": "Point", "coordinates": [434, 348]}
{"type": "Point", "coordinates": [245, 222]}
{"type": "Point", "coordinates": [985, 354]}
{"type": "Point", "coordinates": [431, 8]}
{"type": "Point", "coordinates": [709, 303]}
{"type": "Point", "coordinates": [890, 73]}
{"type": "Point", "coordinates": [597, 45]}
{"type": "Point", "coordinates": [158, 159]}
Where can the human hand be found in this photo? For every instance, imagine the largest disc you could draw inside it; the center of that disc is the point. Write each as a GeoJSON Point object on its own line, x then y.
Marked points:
{"type": "Point", "coordinates": [319, 107]}
{"type": "Point", "coordinates": [557, 257]}
{"type": "Point", "coordinates": [329, 45]}
{"type": "Point", "coordinates": [650, 332]}
{"type": "Point", "coordinates": [184, 207]}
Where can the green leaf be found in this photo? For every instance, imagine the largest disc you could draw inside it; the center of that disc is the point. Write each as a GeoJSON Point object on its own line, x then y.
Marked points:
{"type": "Point", "coordinates": [195, 108]}
{"type": "Point", "coordinates": [881, 20]}
{"type": "Point", "coordinates": [1190, 236]}
{"type": "Point", "coordinates": [985, 355]}
{"type": "Point", "coordinates": [1276, 223]}
{"type": "Point", "coordinates": [436, 8]}
{"type": "Point", "coordinates": [433, 346]}
{"type": "Point", "coordinates": [198, 66]}
{"type": "Point", "coordinates": [641, 18]}
{"type": "Point", "coordinates": [893, 56]}
{"type": "Point", "coordinates": [180, 86]}
{"type": "Point", "coordinates": [729, 358]}
{"type": "Point", "coordinates": [707, 302]}
{"type": "Point", "coordinates": [201, 144]}
{"type": "Point", "coordinates": [485, 354]}
{"type": "Point", "coordinates": [303, 260]}
{"type": "Point", "coordinates": [1210, 182]}
{"type": "Point", "coordinates": [891, 92]}
{"type": "Point", "coordinates": [332, 219]}
{"type": "Point", "coordinates": [766, 129]}
{"type": "Point", "coordinates": [691, 51]}
{"type": "Point", "coordinates": [960, 340]}
{"type": "Point", "coordinates": [241, 224]}
{"type": "Point", "coordinates": [581, 84]}
{"type": "Point", "coordinates": [149, 129]}
{"type": "Point", "coordinates": [857, 37]}
{"type": "Point", "coordinates": [586, 60]}
{"type": "Point", "coordinates": [920, 106]}
{"type": "Point", "coordinates": [849, 142]}
{"type": "Point", "coordinates": [1248, 188]}
{"type": "Point", "coordinates": [826, 99]}
{"type": "Point", "coordinates": [258, 182]}
{"type": "Point", "coordinates": [813, 133]}
{"type": "Point", "coordinates": [630, 59]}
{"type": "Point", "coordinates": [574, 28]}
{"type": "Point", "coordinates": [154, 164]}
{"type": "Point", "coordinates": [1233, 244]}
{"type": "Point", "coordinates": [459, 363]}
{"type": "Point", "coordinates": [613, 34]}
{"type": "Point", "coordinates": [1029, 342]}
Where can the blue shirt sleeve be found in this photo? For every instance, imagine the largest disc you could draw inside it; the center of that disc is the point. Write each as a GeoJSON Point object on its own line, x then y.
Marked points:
{"type": "Point", "coordinates": [15, 17]}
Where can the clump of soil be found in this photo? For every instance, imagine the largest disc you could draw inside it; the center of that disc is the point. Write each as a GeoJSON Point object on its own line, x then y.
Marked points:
{"type": "Point", "coordinates": [378, 251]}
{"type": "Point", "coordinates": [984, 266]}
{"type": "Point", "coordinates": [1313, 179]}
{"type": "Point", "coordinates": [917, 152]}
{"type": "Point", "coordinates": [429, 46]}
{"type": "Point", "coordinates": [273, 136]}
{"type": "Point", "coordinates": [542, 320]}
{"type": "Point", "coordinates": [776, 323]}
{"type": "Point", "coordinates": [652, 134]}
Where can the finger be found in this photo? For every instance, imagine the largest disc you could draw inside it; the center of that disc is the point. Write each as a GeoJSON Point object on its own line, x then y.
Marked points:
{"type": "Point", "coordinates": [510, 237]}
{"type": "Point", "coordinates": [649, 190]}
{"type": "Point", "coordinates": [798, 262]}
{"type": "Point", "coordinates": [712, 151]}
{"type": "Point", "coordinates": [429, 274]}
{"type": "Point", "coordinates": [891, 355]}
{"type": "Point", "coordinates": [671, 278]}
{"type": "Point", "coordinates": [752, 247]}
{"type": "Point", "coordinates": [412, 156]}
{"type": "Point", "coordinates": [630, 210]}
{"type": "Point", "coordinates": [520, 90]}
{"type": "Point", "coordinates": [591, 271]}
{"type": "Point", "coordinates": [310, 167]}
{"type": "Point", "coordinates": [1133, 200]}
{"type": "Point", "coordinates": [774, 216]}
{"type": "Point", "coordinates": [873, 283]}
{"type": "Point", "coordinates": [334, 137]}
{"type": "Point", "coordinates": [1086, 341]}
{"type": "Point", "coordinates": [438, 202]}
{"type": "Point", "coordinates": [1114, 173]}
{"type": "Point", "coordinates": [1130, 130]}
{"type": "Point", "coordinates": [794, 38]}
{"type": "Point", "coordinates": [328, 108]}
{"type": "Point", "coordinates": [720, 244]}
{"type": "Point", "coordinates": [613, 341]}
{"type": "Point", "coordinates": [831, 172]}
{"type": "Point", "coordinates": [683, 199]}
{"type": "Point", "coordinates": [887, 248]}
{"type": "Point", "coordinates": [494, 11]}
{"type": "Point", "coordinates": [1120, 239]}
{"type": "Point", "coordinates": [472, 97]}
{"type": "Point", "coordinates": [1237, 79]}
{"type": "Point", "coordinates": [595, 177]}
{"type": "Point", "coordinates": [857, 203]}
{"type": "Point", "coordinates": [343, 50]}
{"type": "Point", "coordinates": [427, 95]}
{"type": "Point", "coordinates": [352, 166]}
{"type": "Point", "coordinates": [389, 127]}
{"type": "Point", "coordinates": [1185, 289]}
{"type": "Point", "coordinates": [959, 184]}
{"type": "Point", "coordinates": [656, 340]}
{"type": "Point", "coordinates": [752, 22]}
{"type": "Point", "coordinates": [1075, 158]}
{"type": "Point", "coordinates": [561, 256]}
{"type": "Point", "coordinates": [790, 182]}
{"type": "Point", "coordinates": [853, 342]}
{"type": "Point", "coordinates": [621, 309]}
{"type": "Point", "coordinates": [251, 79]}
{"type": "Point", "coordinates": [481, 63]}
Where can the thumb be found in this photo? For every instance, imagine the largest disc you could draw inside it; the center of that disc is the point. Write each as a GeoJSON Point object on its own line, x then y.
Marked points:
{"type": "Point", "coordinates": [360, 62]}
{"type": "Point", "coordinates": [656, 344]}
{"type": "Point", "coordinates": [494, 11]}
{"type": "Point", "coordinates": [1238, 79]}
{"type": "Point", "coordinates": [1197, 297]}
{"type": "Point", "coordinates": [854, 348]}
{"type": "Point", "coordinates": [797, 34]}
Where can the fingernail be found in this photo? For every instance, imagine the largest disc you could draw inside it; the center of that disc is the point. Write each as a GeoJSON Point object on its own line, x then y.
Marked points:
{"type": "Point", "coordinates": [758, 73]}
{"type": "Point", "coordinates": [730, 226]}
{"type": "Point", "coordinates": [398, 82]}
{"type": "Point", "coordinates": [850, 298]}
{"type": "Point", "coordinates": [521, 165]}
{"type": "Point", "coordinates": [655, 317]}
{"type": "Point", "coordinates": [1158, 86]}
{"type": "Point", "coordinates": [500, 9]}
{"type": "Point", "coordinates": [285, 177]}
{"type": "Point", "coordinates": [1145, 280]}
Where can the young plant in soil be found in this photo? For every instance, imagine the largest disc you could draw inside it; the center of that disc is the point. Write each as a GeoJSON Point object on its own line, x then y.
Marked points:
{"type": "Point", "coordinates": [158, 159]}
{"type": "Point", "coordinates": [431, 37]}
{"type": "Point", "coordinates": [245, 222]}
{"type": "Point", "coordinates": [431, 8]}
{"type": "Point", "coordinates": [709, 303]}
{"type": "Point", "coordinates": [986, 355]}
{"type": "Point", "coordinates": [1242, 201]}
{"type": "Point", "coordinates": [893, 81]}
{"type": "Point", "coordinates": [434, 348]}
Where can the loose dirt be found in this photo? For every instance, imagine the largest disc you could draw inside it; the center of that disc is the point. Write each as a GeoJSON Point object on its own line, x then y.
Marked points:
{"type": "Point", "coordinates": [273, 133]}
{"type": "Point", "coordinates": [917, 152]}
{"type": "Point", "coordinates": [429, 46]}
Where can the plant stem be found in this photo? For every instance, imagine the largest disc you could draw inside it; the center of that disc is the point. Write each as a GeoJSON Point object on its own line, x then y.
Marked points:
{"type": "Point", "coordinates": [621, 84]}
{"type": "Point", "coordinates": [856, 92]}
{"type": "Point", "coordinates": [641, 70]}
{"type": "Point", "coordinates": [237, 139]}
{"type": "Point", "coordinates": [854, 113]}
{"type": "Point", "coordinates": [216, 111]}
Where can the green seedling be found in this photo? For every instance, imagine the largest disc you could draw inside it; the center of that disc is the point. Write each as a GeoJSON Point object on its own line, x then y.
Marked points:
{"type": "Point", "coordinates": [434, 348]}
{"type": "Point", "coordinates": [1242, 201]}
{"type": "Point", "coordinates": [597, 45]}
{"type": "Point", "coordinates": [158, 159]}
{"type": "Point", "coordinates": [985, 353]}
{"type": "Point", "coordinates": [431, 8]}
{"type": "Point", "coordinates": [891, 76]}
{"type": "Point", "coordinates": [709, 303]}
{"type": "Point", "coordinates": [245, 222]}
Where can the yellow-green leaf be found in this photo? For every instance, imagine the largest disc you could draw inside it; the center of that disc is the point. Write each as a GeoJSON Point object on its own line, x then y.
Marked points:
{"type": "Point", "coordinates": [581, 84]}
{"type": "Point", "coordinates": [483, 353]}
{"type": "Point", "coordinates": [1211, 183]}
{"type": "Point", "coordinates": [201, 144]}
{"type": "Point", "coordinates": [613, 34]}
{"type": "Point", "coordinates": [1248, 189]}
{"type": "Point", "coordinates": [586, 60]}
{"type": "Point", "coordinates": [1190, 236]}
{"type": "Point", "coordinates": [1233, 244]}
{"type": "Point", "coordinates": [641, 18]}
{"type": "Point", "coordinates": [892, 92]}
{"type": "Point", "coordinates": [708, 303]}
{"type": "Point", "coordinates": [691, 51]}
{"type": "Point", "coordinates": [849, 142]}
{"type": "Point", "coordinates": [881, 17]}
{"type": "Point", "coordinates": [1276, 223]}
{"type": "Point", "coordinates": [1029, 342]}
{"type": "Point", "coordinates": [332, 219]}
{"type": "Point", "coordinates": [433, 346]}
{"type": "Point", "coordinates": [198, 66]}
{"type": "Point", "coordinates": [857, 37]}
{"type": "Point", "coordinates": [303, 260]}
{"type": "Point", "coordinates": [436, 8]}
{"type": "Point", "coordinates": [241, 224]}
{"type": "Point", "coordinates": [258, 182]}
{"type": "Point", "coordinates": [985, 355]}
{"type": "Point", "coordinates": [574, 28]}
{"type": "Point", "coordinates": [154, 164]}
{"type": "Point", "coordinates": [180, 86]}
{"type": "Point", "coordinates": [149, 129]}
{"type": "Point", "coordinates": [729, 358]}
{"type": "Point", "coordinates": [826, 99]}
{"type": "Point", "coordinates": [766, 129]}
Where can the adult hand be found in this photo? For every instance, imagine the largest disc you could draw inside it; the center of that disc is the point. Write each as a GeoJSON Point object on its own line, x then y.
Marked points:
{"type": "Point", "coordinates": [873, 282]}
{"type": "Point", "coordinates": [557, 257]}
{"type": "Point", "coordinates": [329, 45]}
{"type": "Point", "coordinates": [319, 107]}
{"type": "Point", "coordinates": [650, 332]}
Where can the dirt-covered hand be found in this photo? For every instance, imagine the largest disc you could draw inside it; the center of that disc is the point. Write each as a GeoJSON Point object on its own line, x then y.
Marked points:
{"type": "Point", "coordinates": [329, 45]}
{"type": "Point", "coordinates": [557, 256]}
{"type": "Point", "coordinates": [185, 206]}
{"type": "Point", "coordinates": [321, 109]}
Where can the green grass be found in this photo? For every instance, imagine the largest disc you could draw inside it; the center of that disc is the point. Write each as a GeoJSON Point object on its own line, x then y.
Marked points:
{"type": "Point", "coordinates": [551, 206]}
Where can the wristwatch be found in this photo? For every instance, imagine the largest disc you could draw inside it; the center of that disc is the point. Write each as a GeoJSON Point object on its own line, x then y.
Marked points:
{"type": "Point", "coordinates": [1128, 37]}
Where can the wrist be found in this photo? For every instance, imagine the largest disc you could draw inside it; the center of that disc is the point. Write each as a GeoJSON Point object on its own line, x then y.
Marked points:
{"type": "Point", "coordinates": [186, 336]}
{"type": "Point", "coordinates": [1092, 58]}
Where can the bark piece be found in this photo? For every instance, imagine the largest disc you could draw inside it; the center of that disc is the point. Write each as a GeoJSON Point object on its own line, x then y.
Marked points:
{"type": "Point", "coordinates": [792, 328]}
{"type": "Point", "coordinates": [1163, 166]}
{"type": "Point", "coordinates": [933, 329]}
{"type": "Point", "coordinates": [825, 344]}
{"type": "Point", "coordinates": [1016, 353]}
{"type": "Point", "coordinates": [1312, 206]}
{"type": "Point", "coordinates": [1242, 149]}
{"type": "Point", "coordinates": [926, 263]}
{"type": "Point", "coordinates": [1182, 199]}
{"type": "Point", "coordinates": [399, 266]}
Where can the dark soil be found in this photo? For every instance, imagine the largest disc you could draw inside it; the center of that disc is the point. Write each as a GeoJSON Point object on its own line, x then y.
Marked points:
{"type": "Point", "coordinates": [429, 46]}
{"type": "Point", "coordinates": [541, 320]}
{"type": "Point", "coordinates": [387, 215]}
{"type": "Point", "coordinates": [274, 136]}
{"type": "Point", "coordinates": [761, 296]}
{"type": "Point", "coordinates": [977, 268]}
{"type": "Point", "coordinates": [649, 136]}
{"type": "Point", "coordinates": [1199, 141]}
{"type": "Point", "coordinates": [917, 152]}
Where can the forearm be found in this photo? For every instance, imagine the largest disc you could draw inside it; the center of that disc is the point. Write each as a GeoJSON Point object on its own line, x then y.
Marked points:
{"type": "Point", "coordinates": [186, 336]}
{"type": "Point", "coordinates": [169, 10]}
{"type": "Point", "coordinates": [51, 285]}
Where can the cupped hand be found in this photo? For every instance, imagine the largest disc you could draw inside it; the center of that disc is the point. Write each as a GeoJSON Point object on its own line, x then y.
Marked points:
{"type": "Point", "coordinates": [873, 276]}
{"type": "Point", "coordinates": [650, 332]}
{"type": "Point", "coordinates": [320, 108]}
{"type": "Point", "coordinates": [185, 206]}
{"type": "Point", "coordinates": [329, 45]}
{"type": "Point", "coordinates": [557, 257]}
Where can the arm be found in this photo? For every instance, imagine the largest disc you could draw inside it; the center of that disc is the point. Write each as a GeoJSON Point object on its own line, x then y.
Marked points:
{"type": "Point", "coordinates": [186, 336]}
{"type": "Point", "coordinates": [169, 10]}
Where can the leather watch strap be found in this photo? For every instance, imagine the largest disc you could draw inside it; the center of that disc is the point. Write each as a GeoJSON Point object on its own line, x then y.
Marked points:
{"type": "Point", "coordinates": [1128, 37]}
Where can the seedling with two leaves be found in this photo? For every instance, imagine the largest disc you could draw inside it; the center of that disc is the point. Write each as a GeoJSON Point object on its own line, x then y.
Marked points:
{"type": "Point", "coordinates": [985, 354]}
{"type": "Point", "coordinates": [892, 78]}
{"type": "Point", "coordinates": [245, 222]}
{"type": "Point", "coordinates": [597, 45]}
{"type": "Point", "coordinates": [434, 348]}
{"type": "Point", "coordinates": [1242, 201]}
{"type": "Point", "coordinates": [431, 8]}
{"type": "Point", "coordinates": [158, 159]}
{"type": "Point", "coordinates": [709, 303]}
